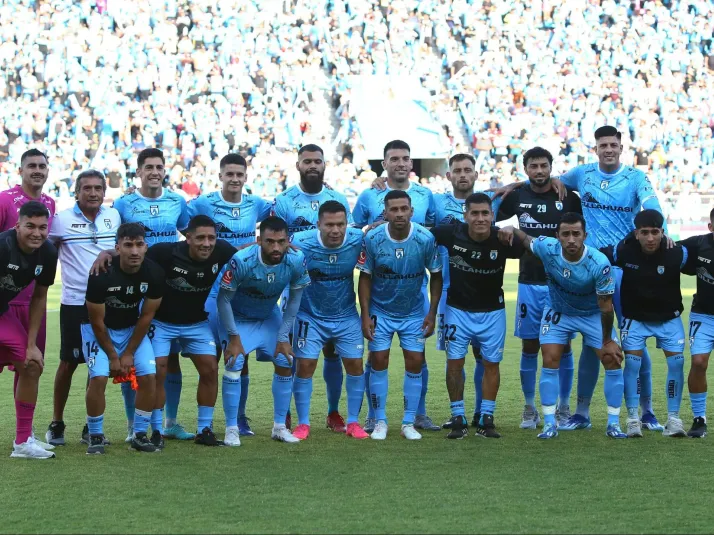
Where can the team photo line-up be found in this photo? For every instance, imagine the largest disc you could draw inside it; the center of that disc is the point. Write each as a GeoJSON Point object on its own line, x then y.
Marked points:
{"type": "Point", "coordinates": [592, 246]}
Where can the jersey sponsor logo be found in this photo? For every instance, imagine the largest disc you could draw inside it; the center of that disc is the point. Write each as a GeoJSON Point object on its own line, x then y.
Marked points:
{"type": "Point", "coordinates": [493, 255]}
{"type": "Point", "coordinates": [459, 263]}
{"type": "Point", "coordinates": [271, 278]}
{"type": "Point", "coordinates": [558, 205]}
{"type": "Point", "coordinates": [108, 223]}
{"type": "Point", "coordinates": [78, 225]}
{"type": "Point", "coordinates": [660, 270]}
{"type": "Point", "coordinates": [13, 266]}
{"type": "Point", "coordinates": [632, 266]}
{"type": "Point", "coordinates": [143, 287]}
{"type": "Point", "coordinates": [566, 273]}
{"type": "Point", "coordinates": [214, 268]}
{"type": "Point", "coordinates": [705, 260]}
{"type": "Point", "coordinates": [362, 257]}
{"type": "Point", "coordinates": [113, 288]}
{"type": "Point", "coordinates": [523, 205]}
{"type": "Point", "coordinates": [236, 212]}
{"type": "Point", "coordinates": [333, 258]}
{"type": "Point", "coordinates": [182, 271]}
{"type": "Point", "coordinates": [460, 249]}
{"type": "Point", "coordinates": [591, 202]}
{"type": "Point", "coordinates": [399, 253]}
{"type": "Point", "coordinates": [38, 270]}
{"type": "Point", "coordinates": [154, 209]}
{"type": "Point", "coordinates": [115, 302]}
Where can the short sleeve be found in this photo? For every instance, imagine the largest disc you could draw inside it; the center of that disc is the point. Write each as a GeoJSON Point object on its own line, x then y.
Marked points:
{"type": "Point", "coordinates": [195, 207]}
{"type": "Point", "coordinates": [120, 206]}
{"type": "Point", "coordinates": [159, 252]}
{"type": "Point", "coordinates": [279, 207]}
{"type": "Point", "coordinates": [360, 213]}
{"type": "Point", "coordinates": [56, 231]}
{"type": "Point", "coordinates": [49, 265]}
{"type": "Point", "coordinates": [263, 208]}
{"type": "Point", "coordinates": [229, 280]}
{"type": "Point", "coordinates": [604, 280]}
{"type": "Point", "coordinates": [571, 179]}
{"type": "Point", "coordinates": [365, 262]}
{"type": "Point", "coordinates": [573, 200]}
{"type": "Point", "coordinates": [97, 288]}
{"type": "Point", "coordinates": [184, 218]}
{"type": "Point", "coordinates": [645, 190]}
{"type": "Point", "coordinates": [538, 246]}
{"type": "Point", "coordinates": [507, 207]}
{"type": "Point", "coordinates": [299, 278]}
{"type": "Point", "coordinates": [432, 260]}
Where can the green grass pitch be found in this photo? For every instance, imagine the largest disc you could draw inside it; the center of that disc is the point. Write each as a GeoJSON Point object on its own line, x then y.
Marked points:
{"type": "Point", "coordinates": [581, 482]}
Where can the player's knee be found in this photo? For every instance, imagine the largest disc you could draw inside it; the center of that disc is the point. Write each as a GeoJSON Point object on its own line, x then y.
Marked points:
{"type": "Point", "coordinates": [353, 366]}
{"type": "Point", "coordinates": [66, 368]}
{"type": "Point", "coordinates": [146, 382]}
{"type": "Point", "coordinates": [98, 382]}
{"type": "Point", "coordinates": [173, 363]}
{"type": "Point", "coordinates": [32, 371]}
{"type": "Point", "coordinates": [531, 346]}
{"type": "Point", "coordinates": [413, 362]}
{"type": "Point", "coordinates": [700, 363]}
{"type": "Point", "coordinates": [306, 368]}
{"type": "Point", "coordinates": [235, 365]}
{"type": "Point", "coordinates": [490, 367]}
{"type": "Point", "coordinates": [161, 367]}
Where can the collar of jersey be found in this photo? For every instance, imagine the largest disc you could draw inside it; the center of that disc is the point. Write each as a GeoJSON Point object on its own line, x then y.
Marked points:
{"type": "Point", "coordinates": [585, 253]}
{"type": "Point", "coordinates": [229, 203]}
{"type": "Point", "coordinates": [80, 213]}
{"type": "Point", "coordinates": [309, 194]}
{"type": "Point", "coordinates": [610, 175]}
{"type": "Point", "coordinates": [389, 237]}
{"type": "Point", "coordinates": [138, 194]}
{"type": "Point", "coordinates": [387, 188]}
{"type": "Point", "coordinates": [319, 240]}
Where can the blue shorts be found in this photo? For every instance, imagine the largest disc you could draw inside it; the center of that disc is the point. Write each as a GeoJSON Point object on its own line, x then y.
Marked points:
{"type": "Point", "coordinates": [669, 334]}
{"type": "Point", "coordinates": [557, 328]}
{"type": "Point", "coordinates": [408, 329]}
{"type": "Point", "coordinates": [440, 321]}
{"type": "Point", "coordinates": [486, 330]}
{"type": "Point", "coordinates": [701, 333]}
{"type": "Point", "coordinates": [98, 361]}
{"type": "Point", "coordinates": [193, 339]}
{"type": "Point", "coordinates": [532, 299]}
{"type": "Point", "coordinates": [311, 334]}
{"type": "Point", "coordinates": [260, 336]}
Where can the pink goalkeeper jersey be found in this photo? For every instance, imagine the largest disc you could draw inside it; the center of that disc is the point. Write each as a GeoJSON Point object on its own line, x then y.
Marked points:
{"type": "Point", "coordinates": [10, 202]}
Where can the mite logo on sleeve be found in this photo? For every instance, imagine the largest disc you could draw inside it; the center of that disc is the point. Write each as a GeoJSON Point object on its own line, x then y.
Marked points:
{"type": "Point", "coordinates": [227, 277]}
{"type": "Point", "coordinates": [154, 209]}
{"type": "Point", "coordinates": [236, 212]}
{"type": "Point", "coordinates": [362, 257]}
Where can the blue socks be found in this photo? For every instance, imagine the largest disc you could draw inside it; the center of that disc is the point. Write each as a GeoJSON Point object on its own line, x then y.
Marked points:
{"type": "Point", "coordinates": [231, 394]}
{"type": "Point", "coordinates": [205, 417]}
{"type": "Point", "coordinates": [675, 383]}
{"type": "Point", "coordinates": [478, 384]}
{"type": "Point", "coordinates": [282, 392]}
{"type": "Point", "coordinates": [548, 393]}
{"type": "Point", "coordinates": [412, 393]}
{"type": "Point", "coordinates": [141, 421]}
{"type": "Point", "coordinates": [367, 386]}
{"type": "Point", "coordinates": [529, 369]}
{"type": "Point", "coordinates": [302, 390]}
{"type": "Point", "coordinates": [332, 373]}
{"type": "Point", "coordinates": [379, 385]}
{"type": "Point", "coordinates": [565, 376]}
{"type": "Point", "coordinates": [699, 404]}
{"type": "Point", "coordinates": [96, 424]}
{"type": "Point", "coordinates": [588, 371]}
{"type": "Point", "coordinates": [614, 390]}
{"type": "Point", "coordinates": [355, 395]}
{"type": "Point", "coordinates": [487, 407]}
{"type": "Point", "coordinates": [172, 385]}
{"type": "Point", "coordinates": [631, 376]}
{"type": "Point", "coordinates": [129, 396]}
{"type": "Point", "coordinates": [424, 389]}
{"type": "Point", "coordinates": [646, 383]}
{"type": "Point", "coordinates": [457, 408]}
{"type": "Point", "coordinates": [244, 384]}
{"type": "Point", "coordinates": [157, 420]}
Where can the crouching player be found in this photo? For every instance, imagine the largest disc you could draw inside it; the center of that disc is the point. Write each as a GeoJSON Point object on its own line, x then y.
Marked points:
{"type": "Point", "coordinates": [328, 313]}
{"type": "Point", "coordinates": [121, 304]}
{"type": "Point", "coordinates": [581, 286]}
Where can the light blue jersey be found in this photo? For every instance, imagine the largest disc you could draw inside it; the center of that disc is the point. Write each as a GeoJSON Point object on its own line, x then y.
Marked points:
{"type": "Point", "coordinates": [370, 205]}
{"type": "Point", "coordinates": [397, 270]}
{"type": "Point", "coordinates": [258, 285]}
{"type": "Point", "coordinates": [574, 286]}
{"type": "Point", "coordinates": [235, 222]}
{"type": "Point", "coordinates": [610, 202]}
{"type": "Point", "coordinates": [331, 294]}
{"type": "Point", "coordinates": [299, 209]}
{"type": "Point", "coordinates": [162, 217]}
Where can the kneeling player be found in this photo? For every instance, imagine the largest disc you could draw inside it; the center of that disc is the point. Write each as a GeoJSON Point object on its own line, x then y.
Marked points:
{"type": "Point", "coordinates": [392, 263]}
{"type": "Point", "coordinates": [328, 313]}
{"type": "Point", "coordinates": [652, 307]}
{"type": "Point", "coordinates": [121, 304]}
{"type": "Point", "coordinates": [25, 256]}
{"type": "Point", "coordinates": [250, 320]}
{"type": "Point", "coordinates": [581, 286]}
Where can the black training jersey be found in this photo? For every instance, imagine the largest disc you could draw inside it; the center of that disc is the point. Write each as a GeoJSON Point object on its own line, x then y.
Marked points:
{"type": "Point", "coordinates": [700, 262]}
{"type": "Point", "coordinates": [538, 215]}
{"type": "Point", "coordinates": [475, 268]}
{"type": "Point", "coordinates": [18, 270]}
{"type": "Point", "coordinates": [188, 282]}
{"type": "Point", "coordinates": [121, 293]}
{"type": "Point", "coordinates": [650, 290]}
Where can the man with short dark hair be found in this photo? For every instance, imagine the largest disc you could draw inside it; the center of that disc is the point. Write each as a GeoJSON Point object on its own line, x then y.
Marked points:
{"type": "Point", "coordinates": [25, 257]}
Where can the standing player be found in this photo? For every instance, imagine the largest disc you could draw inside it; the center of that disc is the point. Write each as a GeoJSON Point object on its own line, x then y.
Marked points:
{"type": "Point", "coordinates": [250, 320]}
{"type": "Point", "coordinates": [121, 304]}
{"type": "Point", "coordinates": [162, 213]}
{"type": "Point", "coordinates": [298, 206]}
{"type": "Point", "coordinates": [392, 264]}
{"type": "Point", "coordinates": [539, 210]}
{"type": "Point", "coordinates": [191, 268]}
{"type": "Point", "coordinates": [700, 263]}
{"type": "Point", "coordinates": [236, 215]}
{"type": "Point", "coordinates": [652, 306]}
{"type": "Point", "coordinates": [328, 313]}
{"type": "Point", "coordinates": [80, 233]}
{"type": "Point", "coordinates": [580, 285]}
{"type": "Point", "coordinates": [475, 311]}
{"type": "Point", "coordinates": [370, 209]}
{"type": "Point", "coordinates": [25, 256]}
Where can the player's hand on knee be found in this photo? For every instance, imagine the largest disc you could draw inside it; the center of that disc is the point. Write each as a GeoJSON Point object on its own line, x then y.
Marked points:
{"type": "Point", "coordinates": [34, 359]}
{"type": "Point", "coordinates": [286, 350]}
{"type": "Point", "coordinates": [101, 264]}
{"type": "Point", "coordinates": [611, 355]}
{"type": "Point", "coordinates": [428, 325]}
{"type": "Point", "coordinates": [368, 328]}
{"type": "Point", "coordinates": [505, 235]}
{"type": "Point", "coordinates": [233, 350]}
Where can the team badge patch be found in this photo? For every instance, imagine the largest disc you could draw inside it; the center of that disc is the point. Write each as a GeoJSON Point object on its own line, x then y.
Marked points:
{"type": "Point", "coordinates": [660, 270]}
{"type": "Point", "coordinates": [315, 205]}
{"type": "Point", "coordinates": [143, 287]}
{"type": "Point", "coordinates": [108, 223]}
{"type": "Point", "coordinates": [494, 255]}
{"type": "Point", "coordinates": [604, 184]}
{"type": "Point", "coordinates": [301, 343]}
{"type": "Point", "coordinates": [333, 258]}
{"type": "Point", "coordinates": [38, 270]}
{"type": "Point", "coordinates": [75, 352]}
{"type": "Point", "coordinates": [271, 277]}
{"type": "Point", "coordinates": [566, 273]}
{"type": "Point", "coordinates": [214, 269]}
{"type": "Point", "coordinates": [559, 205]}
{"type": "Point", "coordinates": [154, 209]}
{"type": "Point", "coordinates": [236, 212]}
{"type": "Point", "coordinates": [399, 253]}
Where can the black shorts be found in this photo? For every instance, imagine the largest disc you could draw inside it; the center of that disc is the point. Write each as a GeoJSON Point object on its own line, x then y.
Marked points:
{"type": "Point", "coordinates": [71, 318]}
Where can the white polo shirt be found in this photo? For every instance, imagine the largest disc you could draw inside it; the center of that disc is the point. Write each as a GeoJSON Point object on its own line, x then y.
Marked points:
{"type": "Point", "coordinates": [79, 241]}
